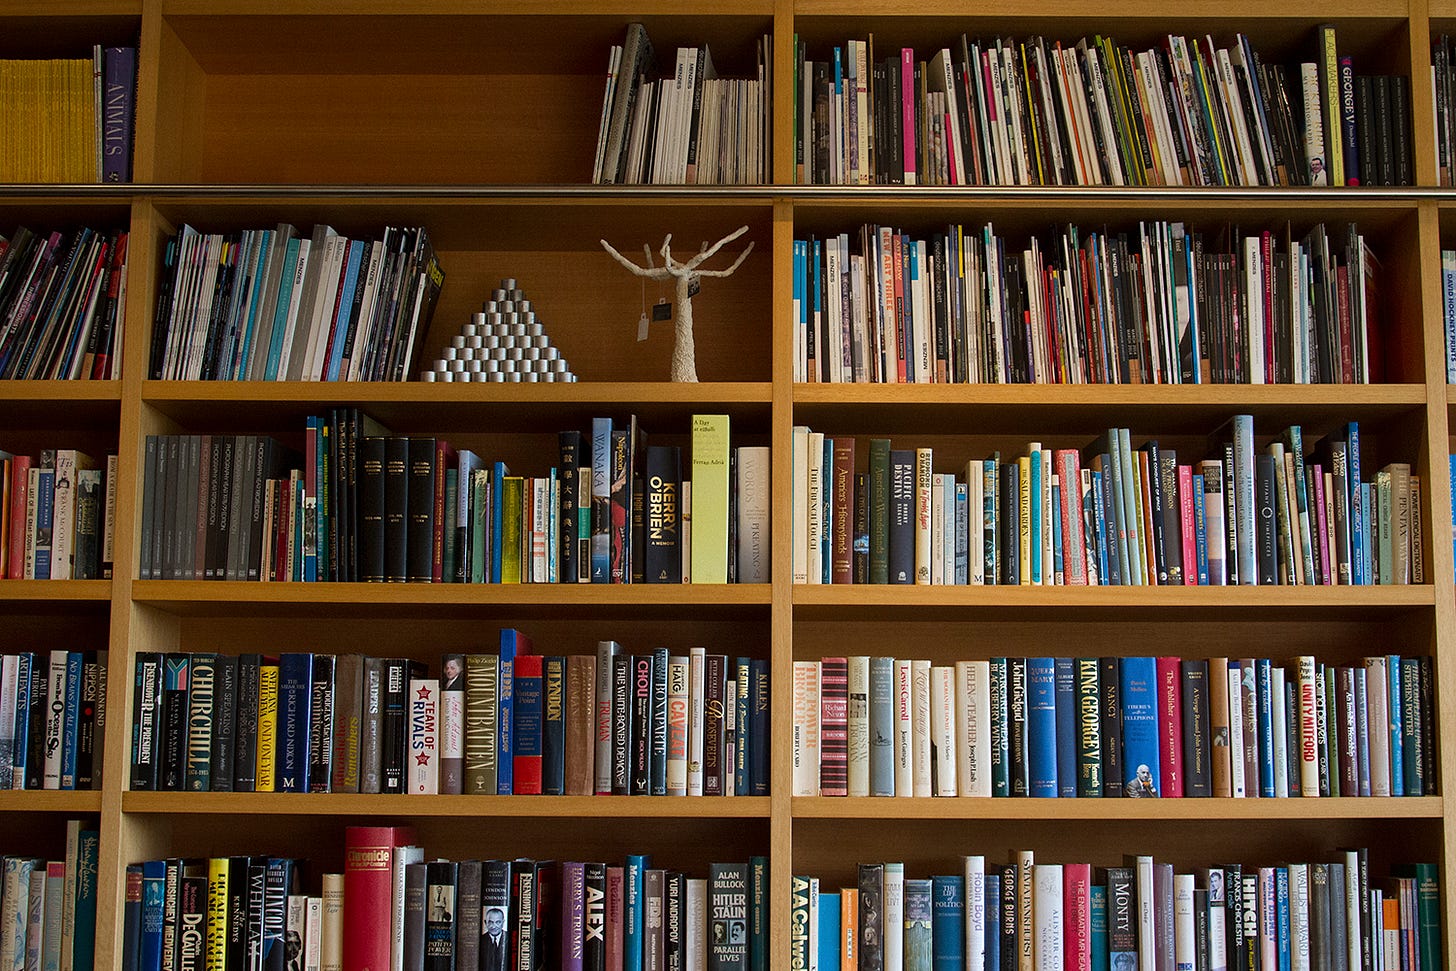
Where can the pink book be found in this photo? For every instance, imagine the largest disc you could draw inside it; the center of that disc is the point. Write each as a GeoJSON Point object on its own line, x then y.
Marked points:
{"type": "Point", "coordinates": [1190, 526]}
{"type": "Point", "coordinates": [1069, 470]}
{"type": "Point", "coordinates": [1317, 474]}
{"type": "Point", "coordinates": [616, 910]}
{"type": "Point", "coordinates": [907, 110]}
{"type": "Point", "coordinates": [1170, 725]}
{"type": "Point", "coordinates": [1077, 916]}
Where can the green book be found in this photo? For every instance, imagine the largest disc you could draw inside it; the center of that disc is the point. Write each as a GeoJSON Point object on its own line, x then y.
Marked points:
{"type": "Point", "coordinates": [510, 538]}
{"type": "Point", "coordinates": [710, 499]}
{"type": "Point", "coordinates": [879, 510]}
{"type": "Point", "coordinates": [479, 517]}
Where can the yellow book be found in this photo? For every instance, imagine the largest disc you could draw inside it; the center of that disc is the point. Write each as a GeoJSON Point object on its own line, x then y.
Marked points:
{"type": "Point", "coordinates": [267, 727]}
{"type": "Point", "coordinates": [710, 499]}
{"type": "Point", "coordinates": [512, 496]}
{"type": "Point", "coordinates": [1023, 501]}
{"type": "Point", "coordinates": [217, 913]}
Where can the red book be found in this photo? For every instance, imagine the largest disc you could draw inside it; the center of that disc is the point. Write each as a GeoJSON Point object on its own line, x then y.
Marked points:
{"type": "Point", "coordinates": [616, 909]}
{"type": "Point", "coordinates": [1069, 470]}
{"type": "Point", "coordinates": [369, 894]}
{"type": "Point", "coordinates": [1190, 527]}
{"type": "Point", "coordinates": [842, 537]}
{"type": "Point", "coordinates": [444, 462]}
{"type": "Point", "coordinates": [19, 486]}
{"type": "Point", "coordinates": [1077, 915]}
{"type": "Point", "coordinates": [1170, 725]}
{"type": "Point", "coordinates": [834, 726]}
{"type": "Point", "coordinates": [526, 741]}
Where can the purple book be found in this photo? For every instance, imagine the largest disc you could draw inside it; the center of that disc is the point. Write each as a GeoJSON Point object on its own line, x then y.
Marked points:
{"type": "Point", "coordinates": [119, 66]}
{"type": "Point", "coordinates": [573, 915]}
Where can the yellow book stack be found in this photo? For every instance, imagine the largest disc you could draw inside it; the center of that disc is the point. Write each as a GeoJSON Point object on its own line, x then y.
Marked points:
{"type": "Point", "coordinates": [48, 121]}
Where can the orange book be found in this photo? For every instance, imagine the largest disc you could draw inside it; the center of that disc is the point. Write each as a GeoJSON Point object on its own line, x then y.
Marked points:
{"type": "Point", "coordinates": [849, 929]}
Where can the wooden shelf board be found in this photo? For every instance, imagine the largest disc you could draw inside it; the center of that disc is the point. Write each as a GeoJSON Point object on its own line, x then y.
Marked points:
{"type": "Point", "coordinates": [57, 392]}
{"type": "Point", "coordinates": [624, 9]}
{"type": "Point", "coordinates": [203, 598]}
{"type": "Point", "coordinates": [1422, 807]}
{"type": "Point", "coordinates": [352, 804]}
{"type": "Point", "coordinates": [1237, 11]}
{"type": "Point", "coordinates": [50, 801]}
{"type": "Point", "coordinates": [55, 591]}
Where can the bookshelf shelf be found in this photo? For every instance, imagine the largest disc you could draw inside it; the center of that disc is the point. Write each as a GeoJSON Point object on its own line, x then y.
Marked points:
{"type": "Point", "coordinates": [57, 392]}
{"type": "Point", "coordinates": [1236, 14]}
{"type": "Point", "coordinates": [55, 591]}
{"type": "Point", "coordinates": [50, 801]}
{"type": "Point", "coordinates": [1192, 810]}
{"type": "Point", "coordinates": [354, 805]}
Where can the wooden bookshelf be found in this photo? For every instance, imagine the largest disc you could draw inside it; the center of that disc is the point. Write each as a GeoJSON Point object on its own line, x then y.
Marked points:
{"type": "Point", "coordinates": [480, 124]}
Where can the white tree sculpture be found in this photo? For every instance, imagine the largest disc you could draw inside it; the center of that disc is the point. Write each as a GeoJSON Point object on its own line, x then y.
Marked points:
{"type": "Point", "coordinates": [684, 357]}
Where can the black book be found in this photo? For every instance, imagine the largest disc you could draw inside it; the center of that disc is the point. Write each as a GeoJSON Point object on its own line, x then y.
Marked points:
{"type": "Point", "coordinates": [393, 728]}
{"type": "Point", "coordinates": [553, 726]}
{"type": "Point", "coordinates": [225, 721]}
{"type": "Point", "coordinates": [257, 909]}
{"type": "Point", "coordinates": [1200, 930]}
{"type": "Point", "coordinates": [641, 704]}
{"type": "Point", "coordinates": [236, 947]}
{"type": "Point", "coordinates": [416, 881]}
{"type": "Point", "coordinates": [169, 471]}
{"type": "Point", "coordinates": [371, 561]}
{"type": "Point", "coordinates": [39, 679]}
{"type": "Point", "coordinates": [1156, 514]}
{"type": "Point", "coordinates": [728, 917]}
{"type": "Point", "coordinates": [1197, 740]}
{"type": "Point", "coordinates": [175, 669]}
{"type": "Point", "coordinates": [622, 672]}
{"type": "Point", "coordinates": [396, 509]}
{"type": "Point", "coordinates": [1111, 704]}
{"type": "Point", "coordinates": [871, 917]}
{"type": "Point", "coordinates": [1319, 917]}
{"type": "Point", "coordinates": [1365, 129]}
{"type": "Point", "coordinates": [92, 684]}
{"type": "Point", "coordinates": [245, 743]}
{"type": "Point", "coordinates": [594, 949]}
{"type": "Point", "coordinates": [440, 915]}
{"type": "Point", "coordinates": [1237, 948]}
{"type": "Point", "coordinates": [1009, 558]}
{"type": "Point", "coordinates": [219, 503]}
{"type": "Point", "coordinates": [90, 499]}
{"type": "Point", "coordinates": [270, 462]}
{"type": "Point", "coordinates": [145, 728]}
{"type": "Point", "coordinates": [635, 558]}
{"type": "Point", "coordinates": [1339, 937]}
{"type": "Point", "coordinates": [861, 538]}
{"type": "Point", "coordinates": [1166, 476]}
{"type": "Point", "coordinates": [1122, 914]}
{"type": "Point", "coordinates": [1400, 129]}
{"type": "Point", "coordinates": [420, 531]}
{"type": "Point", "coordinates": [321, 724]}
{"type": "Point", "coordinates": [523, 908]}
{"type": "Point", "coordinates": [151, 502]}
{"type": "Point", "coordinates": [1368, 932]}
{"type": "Point", "coordinates": [1266, 528]}
{"type": "Point", "coordinates": [657, 734]}
{"type": "Point", "coordinates": [468, 914]}
{"type": "Point", "coordinates": [190, 935]}
{"type": "Point", "coordinates": [663, 538]}
{"type": "Point", "coordinates": [902, 516]}
{"type": "Point", "coordinates": [568, 552]}
{"type": "Point", "coordinates": [496, 951]}
{"type": "Point", "coordinates": [1384, 133]}
{"type": "Point", "coordinates": [1016, 724]}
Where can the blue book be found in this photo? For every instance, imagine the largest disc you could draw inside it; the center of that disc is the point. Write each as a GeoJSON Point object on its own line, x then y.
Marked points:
{"type": "Point", "coordinates": [1097, 926]}
{"type": "Point", "coordinates": [882, 726]}
{"type": "Point", "coordinates": [280, 330]}
{"type": "Point", "coordinates": [1200, 526]}
{"type": "Point", "coordinates": [243, 358]}
{"type": "Point", "coordinates": [948, 923]}
{"type": "Point", "coordinates": [1109, 571]}
{"type": "Point", "coordinates": [154, 893]}
{"type": "Point", "coordinates": [1011, 523]}
{"type": "Point", "coordinates": [1367, 542]}
{"type": "Point", "coordinates": [1037, 515]}
{"type": "Point", "coordinates": [826, 515]}
{"type": "Point", "coordinates": [280, 880]}
{"type": "Point", "coordinates": [553, 726]}
{"type": "Point", "coordinates": [758, 744]}
{"type": "Point", "coordinates": [1281, 915]}
{"type": "Point", "coordinates": [498, 475]}
{"type": "Point", "coordinates": [295, 687]}
{"type": "Point", "coordinates": [742, 707]}
{"type": "Point", "coordinates": [70, 738]}
{"type": "Point", "coordinates": [601, 500]}
{"type": "Point", "coordinates": [1059, 568]}
{"type": "Point", "coordinates": [83, 941]}
{"type": "Point", "coordinates": [1067, 734]}
{"type": "Point", "coordinates": [829, 932]}
{"type": "Point", "coordinates": [1000, 736]}
{"type": "Point", "coordinates": [1138, 683]}
{"type": "Point", "coordinates": [1041, 725]}
{"type": "Point", "coordinates": [1264, 686]}
{"type": "Point", "coordinates": [1359, 504]}
{"type": "Point", "coordinates": [20, 754]}
{"type": "Point", "coordinates": [633, 911]}
{"type": "Point", "coordinates": [815, 282]}
{"type": "Point", "coordinates": [1453, 499]}
{"type": "Point", "coordinates": [962, 538]}
{"type": "Point", "coordinates": [510, 641]}
{"type": "Point", "coordinates": [991, 906]}
{"type": "Point", "coordinates": [1415, 756]}
{"type": "Point", "coordinates": [1397, 724]}
{"type": "Point", "coordinates": [1362, 722]}
{"type": "Point", "coordinates": [356, 250]}
{"type": "Point", "coordinates": [45, 511]}
{"type": "Point", "coordinates": [131, 921]}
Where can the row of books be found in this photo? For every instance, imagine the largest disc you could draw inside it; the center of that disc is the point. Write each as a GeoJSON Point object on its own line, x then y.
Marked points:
{"type": "Point", "coordinates": [1108, 514]}
{"type": "Point", "coordinates": [1140, 727]}
{"type": "Point", "coordinates": [1093, 112]}
{"type": "Point", "coordinates": [1159, 305]}
{"type": "Point", "coordinates": [48, 907]}
{"type": "Point", "coordinates": [1448, 309]}
{"type": "Point", "coordinates": [359, 504]}
{"type": "Point", "coordinates": [1334, 916]}
{"type": "Point", "coordinates": [269, 304]}
{"type": "Point", "coordinates": [510, 723]}
{"type": "Point", "coordinates": [57, 515]}
{"type": "Point", "coordinates": [70, 119]}
{"type": "Point", "coordinates": [1443, 81]}
{"type": "Point", "coordinates": [689, 127]}
{"type": "Point", "coordinates": [62, 304]}
{"type": "Point", "coordinates": [52, 719]}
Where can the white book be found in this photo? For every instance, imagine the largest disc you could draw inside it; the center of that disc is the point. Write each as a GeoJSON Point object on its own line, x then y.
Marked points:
{"type": "Point", "coordinates": [1047, 906]}
{"type": "Point", "coordinates": [975, 894]}
{"type": "Point", "coordinates": [815, 518]}
{"type": "Point", "coordinates": [973, 734]}
{"type": "Point", "coordinates": [1185, 942]}
{"type": "Point", "coordinates": [697, 662]}
{"type": "Point", "coordinates": [975, 504]}
{"type": "Point", "coordinates": [297, 341]}
{"type": "Point", "coordinates": [1299, 917]}
{"type": "Point", "coordinates": [1314, 126]}
{"type": "Point", "coordinates": [1278, 705]}
{"type": "Point", "coordinates": [696, 936]}
{"type": "Point", "coordinates": [832, 335]}
{"type": "Point", "coordinates": [614, 62]}
{"type": "Point", "coordinates": [1213, 882]}
{"type": "Point", "coordinates": [943, 730]}
{"type": "Point", "coordinates": [858, 725]}
{"type": "Point", "coordinates": [893, 906]}
{"type": "Point", "coordinates": [1236, 732]}
{"type": "Point", "coordinates": [920, 727]}
{"type": "Point", "coordinates": [403, 857]}
{"type": "Point", "coordinates": [424, 740]}
{"type": "Point", "coordinates": [806, 728]}
{"type": "Point", "coordinates": [904, 731]}
{"type": "Point", "coordinates": [1025, 924]}
{"type": "Point", "coordinates": [331, 920]}
{"type": "Point", "coordinates": [35, 923]}
{"type": "Point", "coordinates": [1308, 735]}
{"type": "Point", "coordinates": [862, 109]}
{"type": "Point", "coordinates": [313, 935]}
{"type": "Point", "coordinates": [55, 720]}
{"type": "Point", "coordinates": [325, 307]}
{"type": "Point", "coordinates": [802, 505]}
{"type": "Point", "coordinates": [1377, 695]}
{"type": "Point", "coordinates": [68, 893]}
{"type": "Point", "coordinates": [937, 529]}
{"type": "Point", "coordinates": [602, 765]}
{"type": "Point", "coordinates": [923, 499]}
{"type": "Point", "coordinates": [813, 954]}
{"type": "Point", "coordinates": [14, 912]}
{"type": "Point", "coordinates": [1147, 923]}
{"type": "Point", "coordinates": [678, 668]}
{"type": "Point", "coordinates": [1351, 889]}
